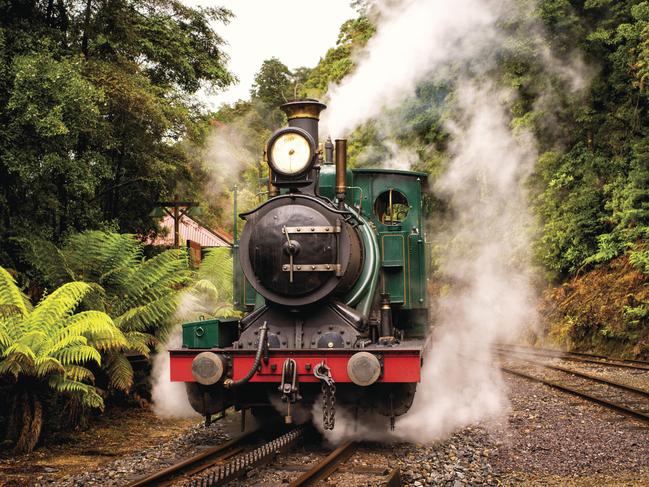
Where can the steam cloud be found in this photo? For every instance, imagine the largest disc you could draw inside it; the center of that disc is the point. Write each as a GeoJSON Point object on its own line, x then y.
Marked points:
{"type": "Point", "coordinates": [485, 244]}
{"type": "Point", "coordinates": [170, 398]}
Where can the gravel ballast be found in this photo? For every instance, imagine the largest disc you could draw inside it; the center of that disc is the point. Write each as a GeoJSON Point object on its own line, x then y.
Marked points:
{"type": "Point", "coordinates": [546, 438]}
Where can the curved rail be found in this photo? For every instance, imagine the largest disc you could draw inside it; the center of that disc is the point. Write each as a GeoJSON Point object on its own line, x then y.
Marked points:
{"type": "Point", "coordinates": [197, 463]}
{"type": "Point", "coordinates": [615, 406]}
{"type": "Point", "coordinates": [576, 357]}
{"type": "Point", "coordinates": [327, 465]}
{"type": "Point", "coordinates": [595, 378]}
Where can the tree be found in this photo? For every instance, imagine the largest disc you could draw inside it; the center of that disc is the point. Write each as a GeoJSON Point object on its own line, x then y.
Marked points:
{"type": "Point", "coordinates": [273, 83]}
{"type": "Point", "coordinates": [47, 349]}
{"type": "Point", "coordinates": [95, 98]}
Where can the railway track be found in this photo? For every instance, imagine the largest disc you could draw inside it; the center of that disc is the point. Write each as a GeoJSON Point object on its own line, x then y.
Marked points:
{"type": "Point", "coordinates": [576, 357]}
{"type": "Point", "coordinates": [223, 463]}
{"type": "Point", "coordinates": [334, 462]}
{"type": "Point", "coordinates": [619, 397]}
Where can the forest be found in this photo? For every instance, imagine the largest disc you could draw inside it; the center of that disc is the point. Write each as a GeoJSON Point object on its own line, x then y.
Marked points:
{"type": "Point", "coordinates": [101, 118]}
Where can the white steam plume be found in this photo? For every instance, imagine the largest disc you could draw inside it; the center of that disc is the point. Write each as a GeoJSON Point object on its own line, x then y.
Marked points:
{"type": "Point", "coordinates": [170, 398]}
{"type": "Point", "coordinates": [487, 263]}
{"type": "Point", "coordinates": [413, 39]}
{"type": "Point", "coordinates": [485, 244]}
{"type": "Point", "coordinates": [419, 39]}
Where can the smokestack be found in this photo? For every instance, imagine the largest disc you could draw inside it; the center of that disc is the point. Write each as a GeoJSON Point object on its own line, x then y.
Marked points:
{"type": "Point", "coordinates": [304, 114]}
{"type": "Point", "coordinates": [341, 171]}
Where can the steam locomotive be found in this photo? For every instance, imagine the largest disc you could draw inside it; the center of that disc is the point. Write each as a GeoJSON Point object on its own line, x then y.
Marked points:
{"type": "Point", "coordinates": [330, 274]}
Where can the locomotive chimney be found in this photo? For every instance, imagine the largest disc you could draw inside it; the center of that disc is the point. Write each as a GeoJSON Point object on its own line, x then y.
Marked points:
{"type": "Point", "coordinates": [341, 170]}
{"type": "Point", "coordinates": [304, 114]}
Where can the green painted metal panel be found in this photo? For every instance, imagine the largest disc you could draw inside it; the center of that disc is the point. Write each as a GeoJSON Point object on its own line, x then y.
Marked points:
{"type": "Point", "coordinates": [404, 276]}
{"type": "Point", "coordinates": [210, 333]}
{"type": "Point", "coordinates": [395, 285]}
{"type": "Point", "coordinates": [417, 271]}
{"type": "Point", "coordinates": [393, 252]}
{"type": "Point", "coordinates": [244, 294]}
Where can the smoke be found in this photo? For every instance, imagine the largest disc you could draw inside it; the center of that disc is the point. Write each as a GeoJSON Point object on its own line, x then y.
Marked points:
{"type": "Point", "coordinates": [170, 398]}
{"type": "Point", "coordinates": [414, 39]}
{"type": "Point", "coordinates": [485, 265]}
{"type": "Point", "coordinates": [225, 156]}
{"type": "Point", "coordinates": [439, 40]}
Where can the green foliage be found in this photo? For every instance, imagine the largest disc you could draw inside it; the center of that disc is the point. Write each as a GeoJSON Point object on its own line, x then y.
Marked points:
{"type": "Point", "coordinates": [141, 295]}
{"type": "Point", "coordinates": [337, 62]}
{"type": "Point", "coordinates": [211, 294]}
{"type": "Point", "coordinates": [51, 347]}
{"type": "Point", "coordinates": [593, 199]}
{"type": "Point", "coordinates": [272, 83]}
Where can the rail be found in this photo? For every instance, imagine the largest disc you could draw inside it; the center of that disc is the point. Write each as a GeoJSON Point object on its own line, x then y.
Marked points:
{"type": "Point", "coordinates": [576, 357]}
{"type": "Point", "coordinates": [631, 410]}
{"type": "Point", "coordinates": [196, 464]}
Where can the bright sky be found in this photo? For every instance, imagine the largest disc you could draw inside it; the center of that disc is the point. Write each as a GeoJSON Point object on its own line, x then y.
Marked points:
{"type": "Point", "coordinates": [298, 32]}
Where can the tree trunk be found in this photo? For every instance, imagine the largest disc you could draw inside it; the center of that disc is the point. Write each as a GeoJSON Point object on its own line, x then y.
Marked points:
{"type": "Point", "coordinates": [32, 423]}
{"type": "Point", "coordinates": [86, 26]}
{"type": "Point", "coordinates": [14, 420]}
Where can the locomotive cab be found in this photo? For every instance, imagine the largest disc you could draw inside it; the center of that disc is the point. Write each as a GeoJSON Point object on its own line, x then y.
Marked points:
{"type": "Point", "coordinates": [330, 275]}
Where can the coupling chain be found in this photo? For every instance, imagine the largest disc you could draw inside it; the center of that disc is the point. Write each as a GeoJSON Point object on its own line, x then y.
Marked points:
{"type": "Point", "coordinates": [323, 373]}
{"type": "Point", "coordinates": [328, 405]}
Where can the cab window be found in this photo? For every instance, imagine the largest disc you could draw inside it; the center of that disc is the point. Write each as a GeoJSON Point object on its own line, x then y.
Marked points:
{"type": "Point", "coordinates": [391, 207]}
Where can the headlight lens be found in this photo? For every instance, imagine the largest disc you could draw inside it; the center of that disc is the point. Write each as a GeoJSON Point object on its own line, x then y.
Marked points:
{"type": "Point", "coordinates": [290, 153]}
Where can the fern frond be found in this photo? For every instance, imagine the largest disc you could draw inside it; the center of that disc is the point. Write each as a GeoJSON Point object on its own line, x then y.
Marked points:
{"type": "Point", "coordinates": [16, 364]}
{"type": "Point", "coordinates": [95, 325]}
{"type": "Point", "coordinates": [78, 354]}
{"type": "Point", "coordinates": [156, 278]}
{"type": "Point", "coordinates": [105, 258]}
{"type": "Point", "coordinates": [79, 373]}
{"type": "Point", "coordinates": [141, 343]}
{"type": "Point", "coordinates": [69, 341]}
{"type": "Point", "coordinates": [216, 268]}
{"type": "Point", "coordinates": [10, 295]}
{"type": "Point", "coordinates": [18, 348]}
{"type": "Point", "coordinates": [35, 340]}
{"type": "Point", "coordinates": [154, 315]}
{"type": "Point", "coordinates": [48, 365]}
{"type": "Point", "coordinates": [120, 371]}
{"type": "Point", "coordinates": [52, 311]}
{"type": "Point", "coordinates": [87, 393]}
{"type": "Point", "coordinates": [205, 289]}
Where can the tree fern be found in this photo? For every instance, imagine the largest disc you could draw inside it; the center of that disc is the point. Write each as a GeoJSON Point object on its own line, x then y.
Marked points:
{"type": "Point", "coordinates": [51, 346]}
{"type": "Point", "coordinates": [141, 295]}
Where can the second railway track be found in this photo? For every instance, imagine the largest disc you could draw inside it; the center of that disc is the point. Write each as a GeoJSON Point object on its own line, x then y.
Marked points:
{"type": "Point", "coordinates": [575, 357]}
{"type": "Point", "coordinates": [622, 398]}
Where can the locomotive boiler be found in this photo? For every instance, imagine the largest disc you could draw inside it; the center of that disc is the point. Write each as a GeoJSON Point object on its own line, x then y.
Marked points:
{"type": "Point", "coordinates": [330, 277]}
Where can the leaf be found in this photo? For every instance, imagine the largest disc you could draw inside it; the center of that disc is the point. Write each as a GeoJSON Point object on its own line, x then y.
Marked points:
{"type": "Point", "coordinates": [120, 371]}
{"type": "Point", "coordinates": [10, 295]}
